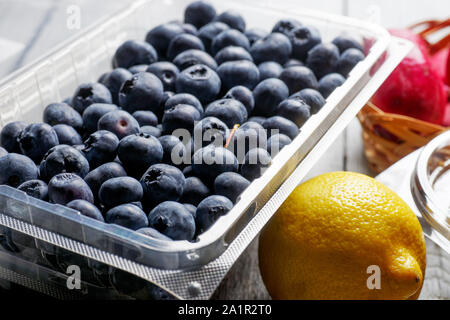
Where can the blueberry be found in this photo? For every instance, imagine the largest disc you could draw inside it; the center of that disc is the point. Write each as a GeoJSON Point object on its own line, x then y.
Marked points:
{"type": "Point", "coordinates": [210, 130]}
{"type": "Point", "coordinates": [329, 83]}
{"type": "Point", "coordinates": [312, 97]}
{"type": "Point", "coordinates": [255, 164]}
{"type": "Point", "coordinates": [120, 190]}
{"type": "Point", "coordinates": [269, 69]}
{"type": "Point", "coordinates": [173, 150]}
{"type": "Point", "coordinates": [173, 220]}
{"type": "Point", "coordinates": [133, 52]}
{"type": "Point", "coordinates": [128, 216]}
{"type": "Point", "coordinates": [210, 210]}
{"type": "Point", "coordinates": [277, 142]}
{"type": "Point", "coordinates": [62, 113]}
{"type": "Point", "coordinates": [230, 37]}
{"type": "Point", "coordinates": [139, 151]}
{"type": "Point", "coordinates": [187, 172]}
{"type": "Point", "coordinates": [10, 134]}
{"type": "Point", "coordinates": [100, 147]}
{"type": "Point", "coordinates": [65, 187]}
{"type": "Point", "coordinates": [189, 28]}
{"type": "Point", "coordinates": [274, 47]}
{"type": "Point", "coordinates": [230, 111]}
{"type": "Point", "coordinates": [67, 135]}
{"type": "Point", "coordinates": [232, 53]}
{"type": "Point", "coordinates": [232, 18]}
{"type": "Point", "coordinates": [106, 171]}
{"type": "Point", "coordinates": [268, 94]}
{"type": "Point", "coordinates": [235, 73]}
{"type": "Point", "coordinates": [153, 233]}
{"type": "Point", "coordinates": [346, 41]}
{"type": "Point", "coordinates": [200, 81]}
{"type": "Point", "coordinates": [144, 91]}
{"type": "Point", "coordinates": [184, 98]}
{"type": "Point", "coordinates": [36, 139]}
{"type": "Point", "coordinates": [230, 185]}
{"type": "Point", "coordinates": [283, 125]}
{"type": "Point", "coordinates": [86, 208]}
{"type": "Point", "coordinates": [293, 63]}
{"type": "Point", "coordinates": [286, 26]}
{"type": "Point", "coordinates": [250, 135]}
{"type": "Point", "coordinates": [183, 42]}
{"type": "Point", "coordinates": [35, 188]}
{"type": "Point", "coordinates": [209, 162]}
{"type": "Point", "coordinates": [89, 93]}
{"type": "Point", "coordinates": [255, 34]}
{"type": "Point", "coordinates": [151, 130]}
{"type": "Point", "coordinates": [194, 191]}
{"type": "Point", "coordinates": [3, 152]}
{"type": "Point", "coordinates": [258, 120]}
{"type": "Point", "coordinates": [348, 60]}
{"type": "Point", "coordinates": [192, 57]}
{"type": "Point", "coordinates": [303, 39]}
{"type": "Point", "coordinates": [160, 36]}
{"type": "Point", "coordinates": [166, 72]}
{"type": "Point", "coordinates": [208, 32]}
{"type": "Point", "coordinates": [113, 81]}
{"type": "Point", "coordinates": [191, 208]}
{"type": "Point", "coordinates": [298, 78]}
{"type": "Point", "coordinates": [199, 13]}
{"type": "Point", "coordinates": [138, 68]}
{"type": "Point", "coordinates": [162, 182]}
{"type": "Point", "coordinates": [242, 94]}
{"type": "Point", "coordinates": [93, 113]}
{"type": "Point", "coordinates": [180, 116]}
{"type": "Point", "coordinates": [322, 59]}
{"type": "Point", "coordinates": [62, 159]}
{"type": "Point", "coordinates": [295, 110]}
{"type": "Point", "coordinates": [145, 118]}
{"type": "Point", "coordinates": [119, 122]}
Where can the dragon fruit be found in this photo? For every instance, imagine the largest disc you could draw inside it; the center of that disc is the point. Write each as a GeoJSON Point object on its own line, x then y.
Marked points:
{"type": "Point", "coordinates": [414, 89]}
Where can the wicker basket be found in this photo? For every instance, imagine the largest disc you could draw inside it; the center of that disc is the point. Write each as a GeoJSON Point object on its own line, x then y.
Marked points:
{"type": "Point", "coordinates": [389, 137]}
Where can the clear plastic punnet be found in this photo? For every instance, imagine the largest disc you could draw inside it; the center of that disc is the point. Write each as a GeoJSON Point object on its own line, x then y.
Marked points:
{"type": "Point", "coordinates": [37, 232]}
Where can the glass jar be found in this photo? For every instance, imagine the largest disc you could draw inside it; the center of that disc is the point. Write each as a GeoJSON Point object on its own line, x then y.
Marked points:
{"type": "Point", "coordinates": [430, 184]}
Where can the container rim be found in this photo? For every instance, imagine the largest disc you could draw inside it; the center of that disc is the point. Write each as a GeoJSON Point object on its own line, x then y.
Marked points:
{"type": "Point", "coordinates": [422, 190]}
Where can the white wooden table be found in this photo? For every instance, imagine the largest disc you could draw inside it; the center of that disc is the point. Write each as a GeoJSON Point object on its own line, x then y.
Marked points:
{"type": "Point", "coordinates": [29, 28]}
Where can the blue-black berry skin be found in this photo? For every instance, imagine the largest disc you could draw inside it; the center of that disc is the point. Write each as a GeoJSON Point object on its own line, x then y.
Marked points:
{"type": "Point", "coordinates": [62, 113]}
{"type": "Point", "coordinates": [268, 94]}
{"type": "Point", "coordinates": [199, 13]}
{"type": "Point", "coordinates": [66, 187]}
{"type": "Point", "coordinates": [106, 171]}
{"type": "Point", "coordinates": [35, 188]}
{"type": "Point", "coordinates": [173, 220]}
{"type": "Point", "coordinates": [86, 209]}
{"type": "Point", "coordinates": [119, 122]}
{"type": "Point", "coordinates": [274, 47]}
{"type": "Point", "coordinates": [139, 151]}
{"type": "Point", "coordinates": [100, 147]}
{"type": "Point", "coordinates": [230, 185]}
{"type": "Point", "coordinates": [144, 91]}
{"type": "Point", "coordinates": [63, 159]}
{"type": "Point", "coordinates": [89, 93]}
{"type": "Point", "coordinates": [36, 139]}
{"type": "Point", "coordinates": [192, 57]}
{"type": "Point", "coordinates": [323, 59]}
{"type": "Point", "coordinates": [120, 190]}
{"type": "Point", "coordinates": [10, 134]}
{"type": "Point", "coordinates": [128, 216]}
{"type": "Point", "coordinates": [134, 52]}
{"type": "Point", "coordinates": [311, 97]}
{"type": "Point", "coordinates": [210, 210]}
{"type": "Point", "coordinates": [329, 83]}
{"type": "Point", "coordinates": [200, 81]}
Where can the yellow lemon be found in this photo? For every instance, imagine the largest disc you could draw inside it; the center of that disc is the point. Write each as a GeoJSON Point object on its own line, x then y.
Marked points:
{"type": "Point", "coordinates": [343, 235]}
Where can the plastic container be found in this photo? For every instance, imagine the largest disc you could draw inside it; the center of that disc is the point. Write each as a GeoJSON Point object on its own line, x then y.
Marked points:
{"type": "Point", "coordinates": [39, 229]}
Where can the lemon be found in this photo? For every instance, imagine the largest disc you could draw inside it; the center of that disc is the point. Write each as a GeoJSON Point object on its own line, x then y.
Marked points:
{"type": "Point", "coordinates": [343, 235]}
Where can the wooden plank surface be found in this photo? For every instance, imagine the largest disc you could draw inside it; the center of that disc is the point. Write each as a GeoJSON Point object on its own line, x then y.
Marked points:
{"type": "Point", "coordinates": [35, 26]}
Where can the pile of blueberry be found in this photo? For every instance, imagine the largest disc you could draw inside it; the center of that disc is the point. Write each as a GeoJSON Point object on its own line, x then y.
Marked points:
{"type": "Point", "coordinates": [166, 142]}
